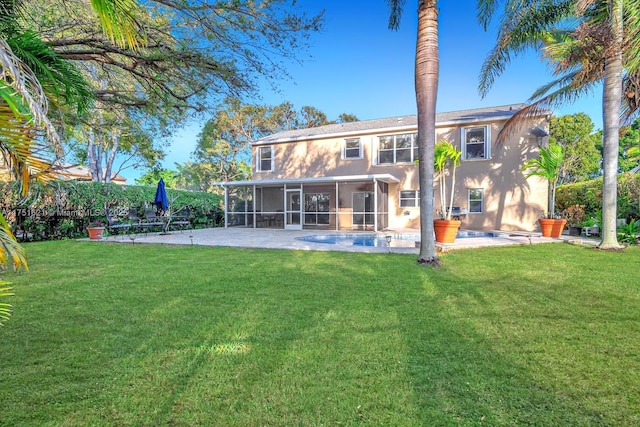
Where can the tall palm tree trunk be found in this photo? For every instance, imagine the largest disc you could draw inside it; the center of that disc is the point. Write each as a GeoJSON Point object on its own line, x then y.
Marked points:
{"type": "Point", "coordinates": [611, 103]}
{"type": "Point", "coordinates": [426, 82]}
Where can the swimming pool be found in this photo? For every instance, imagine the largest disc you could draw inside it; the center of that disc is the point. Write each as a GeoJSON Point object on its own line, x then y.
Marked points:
{"type": "Point", "coordinates": [377, 240]}
{"type": "Point", "coordinates": [348, 239]}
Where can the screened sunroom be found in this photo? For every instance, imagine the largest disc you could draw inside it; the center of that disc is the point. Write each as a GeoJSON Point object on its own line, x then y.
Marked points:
{"type": "Point", "coordinates": [355, 202]}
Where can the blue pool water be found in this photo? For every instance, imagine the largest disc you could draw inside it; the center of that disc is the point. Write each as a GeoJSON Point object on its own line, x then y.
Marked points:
{"type": "Point", "coordinates": [378, 240]}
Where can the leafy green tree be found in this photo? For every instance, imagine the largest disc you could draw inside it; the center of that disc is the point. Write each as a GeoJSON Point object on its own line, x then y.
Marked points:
{"type": "Point", "coordinates": [346, 118]}
{"type": "Point", "coordinates": [151, 178]}
{"type": "Point", "coordinates": [223, 150]}
{"type": "Point", "coordinates": [195, 52]}
{"type": "Point", "coordinates": [630, 146]}
{"type": "Point", "coordinates": [426, 82]}
{"type": "Point", "coordinates": [587, 42]}
{"type": "Point", "coordinates": [581, 157]}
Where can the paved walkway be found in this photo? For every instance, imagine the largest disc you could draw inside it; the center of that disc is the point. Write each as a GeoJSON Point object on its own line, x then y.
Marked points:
{"type": "Point", "coordinates": [288, 239]}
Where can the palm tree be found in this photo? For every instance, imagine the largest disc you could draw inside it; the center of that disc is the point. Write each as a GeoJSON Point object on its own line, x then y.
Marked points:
{"type": "Point", "coordinates": [604, 47]}
{"type": "Point", "coordinates": [547, 166]}
{"type": "Point", "coordinates": [445, 155]}
{"type": "Point", "coordinates": [426, 84]}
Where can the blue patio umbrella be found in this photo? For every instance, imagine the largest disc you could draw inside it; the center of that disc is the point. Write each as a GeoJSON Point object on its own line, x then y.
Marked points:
{"type": "Point", "coordinates": [161, 201]}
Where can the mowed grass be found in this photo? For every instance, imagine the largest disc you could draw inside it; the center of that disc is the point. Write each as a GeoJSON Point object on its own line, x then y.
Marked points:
{"type": "Point", "coordinates": [137, 335]}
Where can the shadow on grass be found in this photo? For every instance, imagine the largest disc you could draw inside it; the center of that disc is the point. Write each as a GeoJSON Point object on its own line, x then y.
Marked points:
{"type": "Point", "coordinates": [146, 335]}
{"type": "Point", "coordinates": [504, 345]}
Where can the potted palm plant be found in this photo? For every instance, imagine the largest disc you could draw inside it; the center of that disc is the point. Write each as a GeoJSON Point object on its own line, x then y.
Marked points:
{"type": "Point", "coordinates": [547, 166]}
{"type": "Point", "coordinates": [446, 156]}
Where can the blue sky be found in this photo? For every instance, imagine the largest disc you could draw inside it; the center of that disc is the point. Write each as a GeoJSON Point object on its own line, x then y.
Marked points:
{"type": "Point", "coordinates": [357, 65]}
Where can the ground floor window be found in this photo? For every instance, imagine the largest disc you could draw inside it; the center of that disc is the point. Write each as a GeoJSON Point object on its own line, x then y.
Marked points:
{"type": "Point", "coordinates": [363, 209]}
{"type": "Point", "coordinates": [316, 208]}
{"type": "Point", "coordinates": [476, 200]}
{"type": "Point", "coordinates": [409, 199]}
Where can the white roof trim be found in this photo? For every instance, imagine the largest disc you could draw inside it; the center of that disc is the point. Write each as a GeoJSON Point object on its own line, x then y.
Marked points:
{"type": "Point", "coordinates": [387, 130]}
{"type": "Point", "coordinates": [386, 177]}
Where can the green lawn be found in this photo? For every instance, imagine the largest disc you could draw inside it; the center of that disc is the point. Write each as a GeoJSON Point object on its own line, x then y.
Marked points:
{"type": "Point", "coordinates": [136, 335]}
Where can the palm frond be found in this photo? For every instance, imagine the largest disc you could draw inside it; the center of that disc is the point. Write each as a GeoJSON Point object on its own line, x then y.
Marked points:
{"type": "Point", "coordinates": [630, 97]}
{"type": "Point", "coordinates": [5, 309]}
{"type": "Point", "coordinates": [11, 253]}
{"type": "Point", "coordinates": [29, 97]}
{"type": "Point", "coordinates": [486, 10]}
{"type": "Point", "coordinates": [546, 165]}
{"type": "Point", "coordinates": [632, 35]}
{"type": "Point", "coordinates": [395, 13]}
{"type": "Point", "coordinates": [553, 94]}
{"type": "Point", "coordinates": [118, 20]}
{"type": "Point", "coordinates": [58, 78]}
{"type": "Point", "coordinates": [23, 148]}
{"type": "Point", "coordinates": [527, 26]}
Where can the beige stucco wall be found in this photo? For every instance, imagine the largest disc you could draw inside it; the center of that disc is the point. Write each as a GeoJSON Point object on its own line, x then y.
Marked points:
{"type": "Point", "coordinates": [511, 202]}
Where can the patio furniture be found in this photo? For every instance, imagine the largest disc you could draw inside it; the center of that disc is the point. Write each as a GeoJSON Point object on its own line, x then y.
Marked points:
{"type": "Point", "coordinates": [114, 225]}
{"type": "Point", "coordinates": [279, 218]}
{"type": "Point", "coordinates": [152, 219]}
{"type": "Point", "coordinates": [594, 230]}
{"type": "Point", "coordinates": [182, 221]}
{"type": "Point", "coordinates": [134, 220]}
{"type": "Point", "coordinates": [270, 220]}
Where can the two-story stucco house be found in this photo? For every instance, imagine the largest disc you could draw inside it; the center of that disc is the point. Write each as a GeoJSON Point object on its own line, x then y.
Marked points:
{"type": "Point", "coordinates": [363, 175]}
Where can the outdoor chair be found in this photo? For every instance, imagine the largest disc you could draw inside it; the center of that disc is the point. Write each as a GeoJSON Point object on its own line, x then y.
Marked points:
{"type": "Point", "coordinates": [591, 231]}
{"type": "Point", "coordinates": [114, 225]}
{"type": "Point", "coordinates": [152, 219]}
{"type": "Point", "coordinates": [259, 219]}
{"type": "Point", "coordinates": [134, 219]}
{"type": "Point", "coordinates": [182, 221]}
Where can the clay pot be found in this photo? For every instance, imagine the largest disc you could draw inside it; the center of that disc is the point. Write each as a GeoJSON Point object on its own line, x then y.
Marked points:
{"type": "Point", "coordinates": [95, 233]}
{"type": "Point", "coordinates": [446, 230]}
{"type": "Point", "coordinates": [552, 227]}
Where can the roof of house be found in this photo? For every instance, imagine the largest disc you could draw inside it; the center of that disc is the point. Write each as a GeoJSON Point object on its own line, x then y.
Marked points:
{"type": "Point", "coordinates": [393, 123]}
{"type": "Point", "coordinates": [68, 171]}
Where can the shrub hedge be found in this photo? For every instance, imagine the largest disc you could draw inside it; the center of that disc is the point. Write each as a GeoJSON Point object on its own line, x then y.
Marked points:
{"type": "Point", "coordinates": [589, 194]}
{"type": "Point", "coordinates": [62, 209]}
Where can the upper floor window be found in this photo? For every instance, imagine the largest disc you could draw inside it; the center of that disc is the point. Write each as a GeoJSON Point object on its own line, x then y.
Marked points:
{"type": "Point", "coordinates": [476, 143]}
{"type": "Point", "coordinates": [397, 148]}
{"type": "Point", "coordinates": [352, 149]}
{"type": "Point", "coordinates": [264, 161]}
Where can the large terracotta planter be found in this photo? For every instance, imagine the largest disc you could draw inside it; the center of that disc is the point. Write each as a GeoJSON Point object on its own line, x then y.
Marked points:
{"type": "Point", "coordinates": [95, 233]}
{"type": "Point", "coordinates": [446, 230]}
{"type": "Point", "coordinates": [552, 227]}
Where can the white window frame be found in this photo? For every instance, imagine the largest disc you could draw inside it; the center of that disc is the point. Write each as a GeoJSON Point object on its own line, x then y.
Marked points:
{"type": "Point", "coordinates": [413, 149]}
{"type": "Point", "coordinates": [259, 158]}
{"type": "Point", "coordinates": [345, 149]}
{"type": "Point", "coordinates": [415, 199]}
{"type": "Point", "coordinates": [469, 200]}
{"type": "Point", "coordinates": [487, 142]}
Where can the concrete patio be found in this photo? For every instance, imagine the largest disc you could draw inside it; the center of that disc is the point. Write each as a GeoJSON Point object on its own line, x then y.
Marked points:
{"type": "Point", "coordinates": [288, 239]}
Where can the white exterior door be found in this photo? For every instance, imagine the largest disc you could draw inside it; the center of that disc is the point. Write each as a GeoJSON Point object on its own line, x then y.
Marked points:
{"type": "Point", "coordinates": [293, 212]}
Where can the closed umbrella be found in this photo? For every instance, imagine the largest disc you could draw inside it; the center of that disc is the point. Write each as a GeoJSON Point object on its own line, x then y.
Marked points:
{"type": "Point", "coordinates": [161, 201]}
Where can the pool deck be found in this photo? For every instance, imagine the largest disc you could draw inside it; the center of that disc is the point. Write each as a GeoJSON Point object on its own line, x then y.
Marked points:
{"type": "Point", "coordinates": [289, 239]}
